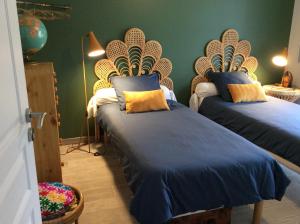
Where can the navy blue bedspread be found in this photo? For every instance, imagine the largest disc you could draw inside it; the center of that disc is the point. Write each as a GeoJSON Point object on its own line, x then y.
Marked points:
{"type": "Point", "coordinates": [177, 162]}
{"type": "Point", "coordinates": [273, 125]}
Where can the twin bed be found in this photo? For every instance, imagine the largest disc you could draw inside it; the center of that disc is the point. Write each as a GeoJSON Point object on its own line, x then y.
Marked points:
{"type": "Point", "coordinates": [273, 125]}
{"type": "Point", "coordinates": [178, 162]}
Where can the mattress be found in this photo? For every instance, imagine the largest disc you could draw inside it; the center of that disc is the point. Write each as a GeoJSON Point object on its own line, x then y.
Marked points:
{"type": "Point", "coordinates": [273, 125]}
{"type": "Point", "coordinates": [177, 162]}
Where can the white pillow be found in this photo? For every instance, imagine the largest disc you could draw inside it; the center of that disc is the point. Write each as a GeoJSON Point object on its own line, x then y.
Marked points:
{"type": "Point", "coordinates": [108, 95]}
{"type": "Point", "coordinates": [101, 97]}
{"type": "Point", "coordinates": [205, 89]}
{"type": "Point", "coordinates": [194, 102]}
{"type": "Point", "coordinates": [169, 94]}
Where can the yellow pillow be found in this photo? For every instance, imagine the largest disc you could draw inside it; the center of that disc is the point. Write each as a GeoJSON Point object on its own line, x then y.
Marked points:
{"type": "Point", "coordinates": [143, 101]}
{"type": "Point", "coordinates": [247, 92]}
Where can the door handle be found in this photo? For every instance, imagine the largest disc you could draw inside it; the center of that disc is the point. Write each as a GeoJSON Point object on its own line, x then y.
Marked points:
{"type": "Point", "coordinates": [31, 134]}
{"type": "Point", "coordinates": [38, 115]}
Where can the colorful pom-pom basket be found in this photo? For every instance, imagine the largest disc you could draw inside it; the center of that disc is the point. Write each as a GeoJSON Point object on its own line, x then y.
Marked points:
{"type": "Point", "coordinates": [69, 196]}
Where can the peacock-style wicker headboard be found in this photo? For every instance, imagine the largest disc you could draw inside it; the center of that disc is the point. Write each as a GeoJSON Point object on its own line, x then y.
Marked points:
{"type": "Point", "coordinates": [133, 57]}
{"type": "Point", "coordinates": [226, 55]}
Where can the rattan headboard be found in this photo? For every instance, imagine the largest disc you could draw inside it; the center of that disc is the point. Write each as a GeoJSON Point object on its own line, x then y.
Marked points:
{"type": "Point", "coordinates": [229, 54]}
{"type": "Point", "coordinates": [134, 56]}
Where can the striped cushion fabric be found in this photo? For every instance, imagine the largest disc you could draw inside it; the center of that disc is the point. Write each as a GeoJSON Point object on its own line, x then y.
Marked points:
{"type": "Point", "coordinates": [143, 101]}
{"type": "Point", "coordinates": [247, 92]}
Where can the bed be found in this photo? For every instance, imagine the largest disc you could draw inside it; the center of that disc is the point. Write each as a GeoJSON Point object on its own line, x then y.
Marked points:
{"type": "Point", "coordinates": [177, 162]}
{"type": "Point", "coordinates": [273, 125]}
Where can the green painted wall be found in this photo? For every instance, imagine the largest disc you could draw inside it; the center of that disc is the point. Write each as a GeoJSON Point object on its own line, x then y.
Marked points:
{"type": "Point", "coordinates": [182, 27]}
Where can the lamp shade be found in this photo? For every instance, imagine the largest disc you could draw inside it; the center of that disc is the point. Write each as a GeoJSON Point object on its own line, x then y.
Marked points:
{"type": "Point", "coordinates": [95, 48]}
{"type": "Point", "coordinates": [281, 59]}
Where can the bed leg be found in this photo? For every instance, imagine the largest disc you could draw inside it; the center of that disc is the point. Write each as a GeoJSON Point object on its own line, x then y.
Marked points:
{"type": "Point", "coordinates": [257, 213]}
{"type": "Point", "coordinates": [105, 138]}
{"type": "Point", "coordinates": [97, 131]}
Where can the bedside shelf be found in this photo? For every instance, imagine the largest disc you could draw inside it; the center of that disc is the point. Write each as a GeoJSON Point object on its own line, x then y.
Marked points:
{"type": "Point", "coordinates": [288, 94]}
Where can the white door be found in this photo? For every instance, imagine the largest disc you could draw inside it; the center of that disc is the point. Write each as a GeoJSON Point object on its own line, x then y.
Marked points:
{"type": "Point", "coordinates": [19, 202]}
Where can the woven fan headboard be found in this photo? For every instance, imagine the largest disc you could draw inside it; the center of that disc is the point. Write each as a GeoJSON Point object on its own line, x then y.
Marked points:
{"type": "Point", "coordinates": [133, 57]}
{"type": "Point", "coordinates": [226, 55]}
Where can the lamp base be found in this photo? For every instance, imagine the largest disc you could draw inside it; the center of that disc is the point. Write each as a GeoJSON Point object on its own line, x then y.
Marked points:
{"type": "Point", "coordinates": [77, 147]}
{"type": "Point", "coordinates": [287, 79]}
{"type": "Point", "coordinates": [81, 143]}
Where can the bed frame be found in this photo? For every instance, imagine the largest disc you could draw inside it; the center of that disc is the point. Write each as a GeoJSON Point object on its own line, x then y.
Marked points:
{"type": "Point", "coordinates": [133, 57]}
{"type": "Point", "coordinates": [225, 55]}
{"type": "Point", "coordinates": [136, 57]}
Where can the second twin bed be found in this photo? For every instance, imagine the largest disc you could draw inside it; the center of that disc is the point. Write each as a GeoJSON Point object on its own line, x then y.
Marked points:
{"type": "Point", "coordinates": [273, 124]}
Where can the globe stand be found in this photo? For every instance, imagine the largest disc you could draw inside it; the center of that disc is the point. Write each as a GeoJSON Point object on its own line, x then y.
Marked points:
{"type": "Point", "coordinates": [26, 58]}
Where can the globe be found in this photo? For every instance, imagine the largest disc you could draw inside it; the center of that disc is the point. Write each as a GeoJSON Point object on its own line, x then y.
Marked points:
{"type": "Point", "coordinates": [33, 34]}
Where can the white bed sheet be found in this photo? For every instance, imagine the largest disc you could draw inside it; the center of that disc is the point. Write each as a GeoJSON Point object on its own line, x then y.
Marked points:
{"type": "Point", "coordinates": [195, 102]}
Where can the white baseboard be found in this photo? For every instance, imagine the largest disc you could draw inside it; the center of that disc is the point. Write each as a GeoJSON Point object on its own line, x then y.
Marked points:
{"type": "Point", "coordinates": [75, 140]}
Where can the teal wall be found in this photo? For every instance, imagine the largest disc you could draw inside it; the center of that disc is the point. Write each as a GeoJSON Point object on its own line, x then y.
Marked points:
{"type": "Point", "coordinates": [183, 27]}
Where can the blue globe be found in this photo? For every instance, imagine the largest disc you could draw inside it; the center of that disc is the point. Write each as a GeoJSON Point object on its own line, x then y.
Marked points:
{"type": "Point", "coordinates": [33, 34]}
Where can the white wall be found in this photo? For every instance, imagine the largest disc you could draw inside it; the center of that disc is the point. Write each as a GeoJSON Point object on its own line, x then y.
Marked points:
{"type": "Point", "coordinates": [294, 46]}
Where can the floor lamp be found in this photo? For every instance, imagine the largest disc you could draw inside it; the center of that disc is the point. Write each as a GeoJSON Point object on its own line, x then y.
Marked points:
{"type": "Point", "coordinates": [95, 50]}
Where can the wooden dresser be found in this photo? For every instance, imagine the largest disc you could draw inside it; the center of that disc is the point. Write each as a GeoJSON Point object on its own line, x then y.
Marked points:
{"type": "Point", "coordinates": [41, 87]}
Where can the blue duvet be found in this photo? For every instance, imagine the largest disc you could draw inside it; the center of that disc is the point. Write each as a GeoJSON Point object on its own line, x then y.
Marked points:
{"type": "Point", "coordinates": [273, 125]}
{"type": "Point", "coordinates": [177, 162]}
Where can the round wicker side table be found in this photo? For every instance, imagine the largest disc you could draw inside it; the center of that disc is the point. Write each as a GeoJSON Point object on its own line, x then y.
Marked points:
{"type": "Point", "coordinates": [288, 94]}
{"type": "Point", "coordinates": [73, 215]}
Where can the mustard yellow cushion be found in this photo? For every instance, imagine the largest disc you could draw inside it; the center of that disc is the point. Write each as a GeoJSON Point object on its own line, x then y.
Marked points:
{"type": "Point", "coordinates": [142, 101]}
{"type": "Point", "coordinates": [246, 92]}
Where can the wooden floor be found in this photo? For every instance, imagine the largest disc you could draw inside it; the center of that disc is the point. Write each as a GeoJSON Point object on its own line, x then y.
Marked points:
{"type": "Point", "coordinates": [107, 195]}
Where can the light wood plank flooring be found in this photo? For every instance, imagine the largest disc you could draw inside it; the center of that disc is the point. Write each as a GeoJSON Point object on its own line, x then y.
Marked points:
{"type": "Point", "coordinates": [107, 195]}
